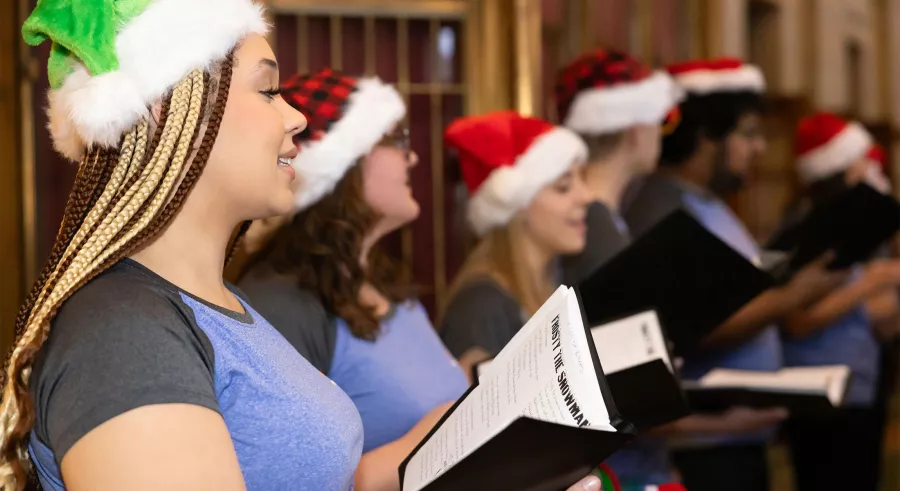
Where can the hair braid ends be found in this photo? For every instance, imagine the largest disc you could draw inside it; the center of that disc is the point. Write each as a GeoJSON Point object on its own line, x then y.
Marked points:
{"type": "Point", "coordinates": [111, 173]}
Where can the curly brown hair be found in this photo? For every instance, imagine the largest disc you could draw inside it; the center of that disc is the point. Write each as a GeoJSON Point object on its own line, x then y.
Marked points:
{"type": "Point", "coordinates": [321, 247]}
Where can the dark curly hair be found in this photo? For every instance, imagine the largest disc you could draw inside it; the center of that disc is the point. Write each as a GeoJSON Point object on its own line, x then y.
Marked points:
{"type": "Point", "coordinates": [713, 116]}
{"type": "Point", "coordinates": [321, 247]}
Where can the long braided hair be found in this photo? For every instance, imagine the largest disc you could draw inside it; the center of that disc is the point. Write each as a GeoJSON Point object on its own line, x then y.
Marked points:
{"type": "Point", "coordinates": [121, 198]}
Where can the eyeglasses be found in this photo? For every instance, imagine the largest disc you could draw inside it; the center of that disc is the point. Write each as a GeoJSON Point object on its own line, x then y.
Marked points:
{"type": "Point", "coordinates": [398, 139]}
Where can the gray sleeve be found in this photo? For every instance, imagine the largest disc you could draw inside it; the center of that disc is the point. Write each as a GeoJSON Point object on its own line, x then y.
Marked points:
{"type": "Point", "coordinates": [116, 346]}
{"type": "Point", "coordinates": [603, 241]}
{"type": "Point", "coordinates": [297, 314]}
{"type": "Point", "coordinates": [651, 203]}
{"type": "Point", "coordinates": [480, 315]}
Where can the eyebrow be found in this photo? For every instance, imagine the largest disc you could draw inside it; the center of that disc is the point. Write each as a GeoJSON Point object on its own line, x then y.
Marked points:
{"type": "Point", "coordinates": [267, 63]}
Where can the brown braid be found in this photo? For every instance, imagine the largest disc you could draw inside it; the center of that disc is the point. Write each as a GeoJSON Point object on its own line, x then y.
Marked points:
{"type": "Point", "coordinates": [232, 248]}
{"type": "Point", "coordinates": [119, 201]}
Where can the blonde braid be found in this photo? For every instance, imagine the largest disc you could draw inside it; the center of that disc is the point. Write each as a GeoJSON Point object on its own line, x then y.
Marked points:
{"type": "Point", "coordinates": [133, 192]}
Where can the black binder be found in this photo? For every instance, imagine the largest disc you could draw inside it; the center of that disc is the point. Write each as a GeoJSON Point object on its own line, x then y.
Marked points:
{"type": "Point", "coordinates": [852, 225]}
{"type": "Point", "coordinates": [533, 455]}
{"type": "Point", "coordinates": [648, 394]}
{"type": "Point", "coordinates": [798, 401]}
{"type": "Point", "coordinates": [692, 279]}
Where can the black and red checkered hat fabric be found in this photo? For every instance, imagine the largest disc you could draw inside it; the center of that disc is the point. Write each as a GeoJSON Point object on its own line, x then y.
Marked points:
{"type": "Point", "coordinates": [322, 97]}
{"type": "Point", "coordinates": [607, 91]}
{"type": "Point", "coordinates": [602, 68]}
{"type": "Point", "coordinates": [346, 118]}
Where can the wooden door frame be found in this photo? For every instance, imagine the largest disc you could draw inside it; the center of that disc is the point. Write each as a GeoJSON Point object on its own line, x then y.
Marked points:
{"type": "Point", "coordinates": [12, 128]}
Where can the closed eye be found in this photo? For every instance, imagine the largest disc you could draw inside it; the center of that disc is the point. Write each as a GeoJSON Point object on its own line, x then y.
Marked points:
{"type": "Point", "coordinates": [271, 93]}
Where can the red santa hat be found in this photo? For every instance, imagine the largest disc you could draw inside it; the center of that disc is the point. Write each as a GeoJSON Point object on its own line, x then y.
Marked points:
{"type": "Point", "coordinates": [825, 144]}
{"type": "Point", "coordinates": [607, 91]}
{"type": "Point", "coordinates": [346, 118]}
{"type": "Point", "coordinates": [704, 77]}
{"type": "Point", "coordinates": [876, 154]}
{"type": "Point", "coordinates": [506, 159]}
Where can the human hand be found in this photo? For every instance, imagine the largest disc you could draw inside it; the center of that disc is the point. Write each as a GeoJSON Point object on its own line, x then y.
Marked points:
{"type": "Point", "coordinates": [883, 273]}
{"type": "Point", "coordinates": [745, 420]}
{"type": "Point", "coordinates": [590, 483]}
{"type": "Point", "coordinates": [815, 280]}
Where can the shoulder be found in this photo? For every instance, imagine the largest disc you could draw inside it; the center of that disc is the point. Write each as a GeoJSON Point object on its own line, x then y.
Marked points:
{"type": "Point", "coordinates": [268, 290]}
{"type": "Point", "coordinates": [122, 301]}
{"type": "Point", "coordinates": [656, 197]}
{"type": "Point", "coordinates": [482, 293]}
{"type": "Point", "coordinates": [295, 312]}
{"type": "Point", "coordinates": [481, 314]}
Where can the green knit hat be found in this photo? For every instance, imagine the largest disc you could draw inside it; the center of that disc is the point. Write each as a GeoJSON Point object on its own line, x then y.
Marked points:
{"type": "Point", "coordinates": [111, 59]}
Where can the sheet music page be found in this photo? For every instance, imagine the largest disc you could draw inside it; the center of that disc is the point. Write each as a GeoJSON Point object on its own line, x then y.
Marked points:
{"type": "Point", "coordinates": [829, 380]}
{"type": "Point", "coordinates": [546, 375]}
{"type": "Point", "coordinates": [630, 342]}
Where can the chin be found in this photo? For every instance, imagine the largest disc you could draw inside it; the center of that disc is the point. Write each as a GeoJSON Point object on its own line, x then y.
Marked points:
{"type": "Point", "coordinates": [573, 246]}
{"type": "Point", "coordinates": [280, 204]}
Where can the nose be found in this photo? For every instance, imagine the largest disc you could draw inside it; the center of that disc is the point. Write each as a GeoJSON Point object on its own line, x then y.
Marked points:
{"type": "Point", "coordinates": [412, 158]}
{"type": "Point", "coordinates": [294, 120]}
{"type": "Point", "coordinates": [582, 194]}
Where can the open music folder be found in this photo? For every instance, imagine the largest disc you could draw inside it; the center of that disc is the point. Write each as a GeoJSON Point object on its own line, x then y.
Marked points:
{"type": "Point", "coordinates": [686, 274]}
{"type": "Point", "coordinates": [852, 225]}
{"type": "Point", "coordinates": [540, 416]}
{"type": "Point", "coordinates": [798, 389]}
{"type": "Point", "coordinates": [635, 359]}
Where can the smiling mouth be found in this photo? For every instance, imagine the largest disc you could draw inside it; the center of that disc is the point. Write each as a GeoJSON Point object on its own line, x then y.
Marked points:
{"type": "Point", "coordinates": [284, 162]}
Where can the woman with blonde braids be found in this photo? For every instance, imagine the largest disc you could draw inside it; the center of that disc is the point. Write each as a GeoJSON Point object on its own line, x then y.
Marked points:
{"type": "Point", "coordinates": [136, 367]}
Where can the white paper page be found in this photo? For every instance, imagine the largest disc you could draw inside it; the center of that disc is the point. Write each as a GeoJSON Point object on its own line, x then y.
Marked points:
{"type": "Point", "coordinates": [829, 380]}
{"type": "Point", "coordinates": [525, 384]}
{"type": "Point", "coordinates": [630, 342]}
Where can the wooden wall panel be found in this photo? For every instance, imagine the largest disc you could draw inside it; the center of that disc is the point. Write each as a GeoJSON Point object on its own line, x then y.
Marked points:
{"type": "Point", "coordinates": [11, 237]}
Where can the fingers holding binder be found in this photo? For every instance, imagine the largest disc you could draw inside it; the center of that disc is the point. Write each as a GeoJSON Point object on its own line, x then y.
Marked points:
{"type": "Point", "coordinates": [590, 483]}
{"type": "Point", "coordinates": [736, 420]}
{"type": "Point", "coordinates": [816, 280]}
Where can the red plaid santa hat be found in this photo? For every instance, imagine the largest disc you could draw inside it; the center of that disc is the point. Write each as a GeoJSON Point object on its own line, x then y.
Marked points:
{"type": "Point", "coordinates": [606, 91]}
{"type": "Point", "coordinates": [347, 117]}
{"type": "Point", "coordinates": [826, 144]}
{"type": "Point", "coordinates": [506, 159]}
{"type": "Point", "coordinates": [702, 77]}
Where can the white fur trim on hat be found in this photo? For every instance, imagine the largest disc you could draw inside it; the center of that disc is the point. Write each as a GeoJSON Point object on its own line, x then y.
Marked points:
{"type": "Point", "coordinates": [745, 78]}
{"type": "Point", "coordinates": [602, 110]}
{"type": "Point", "coordinates": [155, 50]}
{"type": "Point", "coordinates": [839, 153]}
{"type": "Point", "coordinates": [372, 110]}
{"type": "Point", "coordinates": [509, 189]}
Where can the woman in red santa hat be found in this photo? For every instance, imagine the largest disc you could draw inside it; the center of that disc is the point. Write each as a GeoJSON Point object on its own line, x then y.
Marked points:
{"type": "Point", "coordinates": [834, 155]}
{"type": "Point", "coordinates": [334, 294]}
{"type": "Point", "coordinates": [528, 203]}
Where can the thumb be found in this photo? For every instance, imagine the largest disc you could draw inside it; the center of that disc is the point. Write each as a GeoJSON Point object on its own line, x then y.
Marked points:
{"type": "Point", "coordinates": [590, 483]}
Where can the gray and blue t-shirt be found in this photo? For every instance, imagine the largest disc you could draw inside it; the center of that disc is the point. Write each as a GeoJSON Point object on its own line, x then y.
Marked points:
{"type": "Point", "coordinates": [129, 339]}
{"type": "Point", "coordinates": [394, 380]}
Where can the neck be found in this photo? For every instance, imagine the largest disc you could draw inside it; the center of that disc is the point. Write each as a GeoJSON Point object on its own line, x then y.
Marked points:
{"type": "Point", "coordinates": [608, 179]}
{"type": "Point", "coordinates": [537, 258]}
{"type": "Point", "coordinates": [369, 295]}
{"type": "Point", "coordinates": [190, 254]}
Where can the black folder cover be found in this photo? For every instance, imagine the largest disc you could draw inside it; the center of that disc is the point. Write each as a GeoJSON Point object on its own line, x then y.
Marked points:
{"type": "Point", "coordinates": [852, 225]}
{"type": "Point", "coordinates": [717, 399]}
{"type": "Point", "coordinates": [533, 455]}
{"type": "Point", "coordinates": [692, 279]}
{"type": "Point", "coordinates": [648, 395]}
